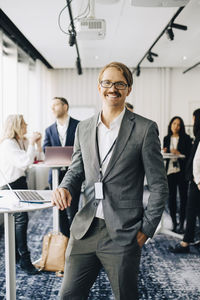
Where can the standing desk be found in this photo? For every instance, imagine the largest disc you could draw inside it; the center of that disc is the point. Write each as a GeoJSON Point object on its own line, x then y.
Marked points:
{"type": "Point", "coordinates": [9, 205]}
{"type": "Point", "coordinates": [55, 183]}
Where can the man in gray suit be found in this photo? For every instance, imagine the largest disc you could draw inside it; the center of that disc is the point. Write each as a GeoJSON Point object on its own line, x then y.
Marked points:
{"type": "Point", "coordinates": [113, 151]}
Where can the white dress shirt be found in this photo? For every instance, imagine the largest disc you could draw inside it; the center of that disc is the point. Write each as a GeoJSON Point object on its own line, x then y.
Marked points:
{"type": "Point", "coordinates": [196, 165]}
{"type": "Point", "coordinates": [62, 131]}
{"type": "Point", "coordinates": [14, 159]}
{"type": "Point", "coordinates": [106, 138]}
{"type": "Point", "coordinates": [173, 145]}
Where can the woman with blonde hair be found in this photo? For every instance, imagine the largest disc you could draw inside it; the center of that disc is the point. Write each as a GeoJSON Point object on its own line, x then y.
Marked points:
{"type": "Point", "coordinates": [16, 154]}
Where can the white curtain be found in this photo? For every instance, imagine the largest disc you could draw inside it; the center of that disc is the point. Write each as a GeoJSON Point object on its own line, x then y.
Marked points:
{"type": "Point", "coordinates": [25, 86]}
{"type": "Point", "coordinates": [152, 96]}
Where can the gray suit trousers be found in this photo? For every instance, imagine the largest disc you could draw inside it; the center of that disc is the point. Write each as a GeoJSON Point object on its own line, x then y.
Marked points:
{"type": "Point", "coordinates": [85, 257]}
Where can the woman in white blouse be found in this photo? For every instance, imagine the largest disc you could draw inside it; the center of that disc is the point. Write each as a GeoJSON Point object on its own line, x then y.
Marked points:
{"type": "Point", "coordinates": [16, 154]}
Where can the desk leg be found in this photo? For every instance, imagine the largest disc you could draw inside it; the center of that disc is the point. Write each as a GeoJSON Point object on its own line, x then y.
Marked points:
{"type": "Point", "coordinates": [10, 256]}
{"type": "Point", "coordinates": [55, 183]}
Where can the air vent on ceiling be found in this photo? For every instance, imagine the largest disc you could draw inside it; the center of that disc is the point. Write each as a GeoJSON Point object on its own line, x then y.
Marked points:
{"type": "Point", "coordinates": [159, 3]}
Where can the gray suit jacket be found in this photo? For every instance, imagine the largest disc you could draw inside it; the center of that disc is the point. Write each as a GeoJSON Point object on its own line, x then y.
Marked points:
{"type": "Point", "coordinates": [136, 153]}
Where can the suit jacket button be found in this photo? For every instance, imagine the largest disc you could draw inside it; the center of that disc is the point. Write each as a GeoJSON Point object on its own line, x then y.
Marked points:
{"type": "Point", "coordinates": [95, 203]}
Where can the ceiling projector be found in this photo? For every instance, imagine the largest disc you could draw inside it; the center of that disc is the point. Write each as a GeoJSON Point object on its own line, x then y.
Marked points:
{"type": "Point", "coordinates": [159, 3]}
{"type": "Point", "coordinates": [91, 28]}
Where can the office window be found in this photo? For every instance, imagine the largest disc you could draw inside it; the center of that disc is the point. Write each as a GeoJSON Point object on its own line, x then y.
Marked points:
{"type": "Point", "coordinates": [9, 77]}
{"type": "Point", "coordinates": [25, 85]}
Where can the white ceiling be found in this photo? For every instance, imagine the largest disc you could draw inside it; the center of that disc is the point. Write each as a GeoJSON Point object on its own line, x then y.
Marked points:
{"type": "Point", "coordinates": [130, 33]}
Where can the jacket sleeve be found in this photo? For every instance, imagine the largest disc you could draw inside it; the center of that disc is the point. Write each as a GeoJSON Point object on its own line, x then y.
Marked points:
{"type": "Point", "coordinates": [196, 166]}
{"type": "Point", "coordinates": [156, 180]}
{"type": "Point", "coordinates": [188, 146]}
{"type": "Point", "coordinates": [18, 157]}
{"type": "Point", "coordinates": [47, 140]}
{"type": "Point", "coordinates": [165, 142]}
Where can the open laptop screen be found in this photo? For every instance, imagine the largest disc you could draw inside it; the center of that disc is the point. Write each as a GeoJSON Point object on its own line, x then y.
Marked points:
{"type": "Point", "coordinates": [58, 156]}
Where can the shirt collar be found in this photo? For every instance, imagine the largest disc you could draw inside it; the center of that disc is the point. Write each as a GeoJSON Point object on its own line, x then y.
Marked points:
{"type": "Point", "coordinates": [65, 125]}
{"type": "Point", "coordinates": [117, 121]}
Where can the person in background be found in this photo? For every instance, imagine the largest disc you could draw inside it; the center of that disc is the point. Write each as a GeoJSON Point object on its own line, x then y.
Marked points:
{"type": "Point", "coordinates": [193, 205]}
{"type": "Point", "coordinates": [177, 142]}
{"type": "Point", "coordinates": [16, 155]}
{"type": "Point", "coordinates": [112, 152]}
{"type": "Point", "coordinates": [62, 133]}
{"type": "Point", "coordinates": [129, 106]}
{"type": "Point", "coordinates": [196, 167]}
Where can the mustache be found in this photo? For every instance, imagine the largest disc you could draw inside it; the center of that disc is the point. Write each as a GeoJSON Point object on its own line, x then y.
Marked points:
{"type": "Point", "coordinates": [114, 94]}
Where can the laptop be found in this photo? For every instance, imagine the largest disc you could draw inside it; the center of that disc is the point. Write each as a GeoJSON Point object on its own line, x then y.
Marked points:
{"type": "Point", "coordinates": [58, 156]}
{"type": "Point", "coordinates": [33, 196]}
{"type": "Point", "coordinates": [29, 196]}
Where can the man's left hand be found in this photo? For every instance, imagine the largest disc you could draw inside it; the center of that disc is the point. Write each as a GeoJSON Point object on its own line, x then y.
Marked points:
{"type": "Point", "coordinates": [141, 238]}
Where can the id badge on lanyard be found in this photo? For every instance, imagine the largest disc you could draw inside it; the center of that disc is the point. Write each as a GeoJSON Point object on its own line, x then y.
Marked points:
{"type": "Point", "coordinates": [98, 186]}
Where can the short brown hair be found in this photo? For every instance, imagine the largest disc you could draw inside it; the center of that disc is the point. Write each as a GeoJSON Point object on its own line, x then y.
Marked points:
{"type": "Point", "coordinates": [121, 67]}
{"type": "Point", "coordinates": [63, 100]}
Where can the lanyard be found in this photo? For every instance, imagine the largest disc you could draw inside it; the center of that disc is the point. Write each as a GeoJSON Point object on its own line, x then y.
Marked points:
{"type": "Point", "coordinates": [102, 162]}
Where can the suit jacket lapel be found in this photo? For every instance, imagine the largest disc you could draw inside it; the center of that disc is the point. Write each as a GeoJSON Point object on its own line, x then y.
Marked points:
{"type": "Point", "coordinates": [55, 135]}
{"type": "Point", "coordinates": [70, 133]}
{"type": "Point", "coordinates": [123, 136]}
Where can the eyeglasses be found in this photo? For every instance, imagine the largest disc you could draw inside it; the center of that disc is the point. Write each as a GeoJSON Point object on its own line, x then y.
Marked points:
{"type": "Point", "coordinates": [119, 85]}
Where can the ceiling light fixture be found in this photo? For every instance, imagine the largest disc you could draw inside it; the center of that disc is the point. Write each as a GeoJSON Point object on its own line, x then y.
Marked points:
{"type": "Point", "coordinates": [137, 73]}
{"type": "Point", "coordinates": [179, 26]}
{"type": "Point", "coordinates": [168, 30]}
{"type": "Point", "coordinates": [192, 67]}
{"type": "Point", "coordinates": [170, 33]}
{"type": "Point", "coordinates": [150, 56]}
{"type": "Point", "coordinates": [72, 38]}
{"type": "Point", "coordinates": [78, 66]}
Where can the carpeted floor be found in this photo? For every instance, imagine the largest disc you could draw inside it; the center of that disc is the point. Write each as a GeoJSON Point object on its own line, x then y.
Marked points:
{"type": "Point", "coordinates": [163, 275]}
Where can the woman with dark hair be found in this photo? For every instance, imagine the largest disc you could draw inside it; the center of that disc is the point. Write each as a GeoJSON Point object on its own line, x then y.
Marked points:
{"type": "Point", "coordinates": [177, 142]}
{"type": "Point", "coordinates": [193, 205]}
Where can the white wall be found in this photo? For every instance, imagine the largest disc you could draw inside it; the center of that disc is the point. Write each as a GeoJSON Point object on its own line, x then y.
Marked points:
{"type": "Point", "coordinates": [79, 90]}
{"type": "Point", "coordinates": [185, 97]}
{"type": "Point", "coordinates": [151, 96]}
{"type": "Point", "coordinates": [158, 93]}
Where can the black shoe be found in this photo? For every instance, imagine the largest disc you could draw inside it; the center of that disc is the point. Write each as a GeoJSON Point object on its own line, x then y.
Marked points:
{"type": "Point", "coordinates": [174, 229]}
{"type": "Point", "coordinates": [179, 249]}
{"type": "Point", "coordinates": [180, 230]}
{"type": "Point", "coordinates": [17, 257]}
{"type": "Point", "coordinates": [27, 266]}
